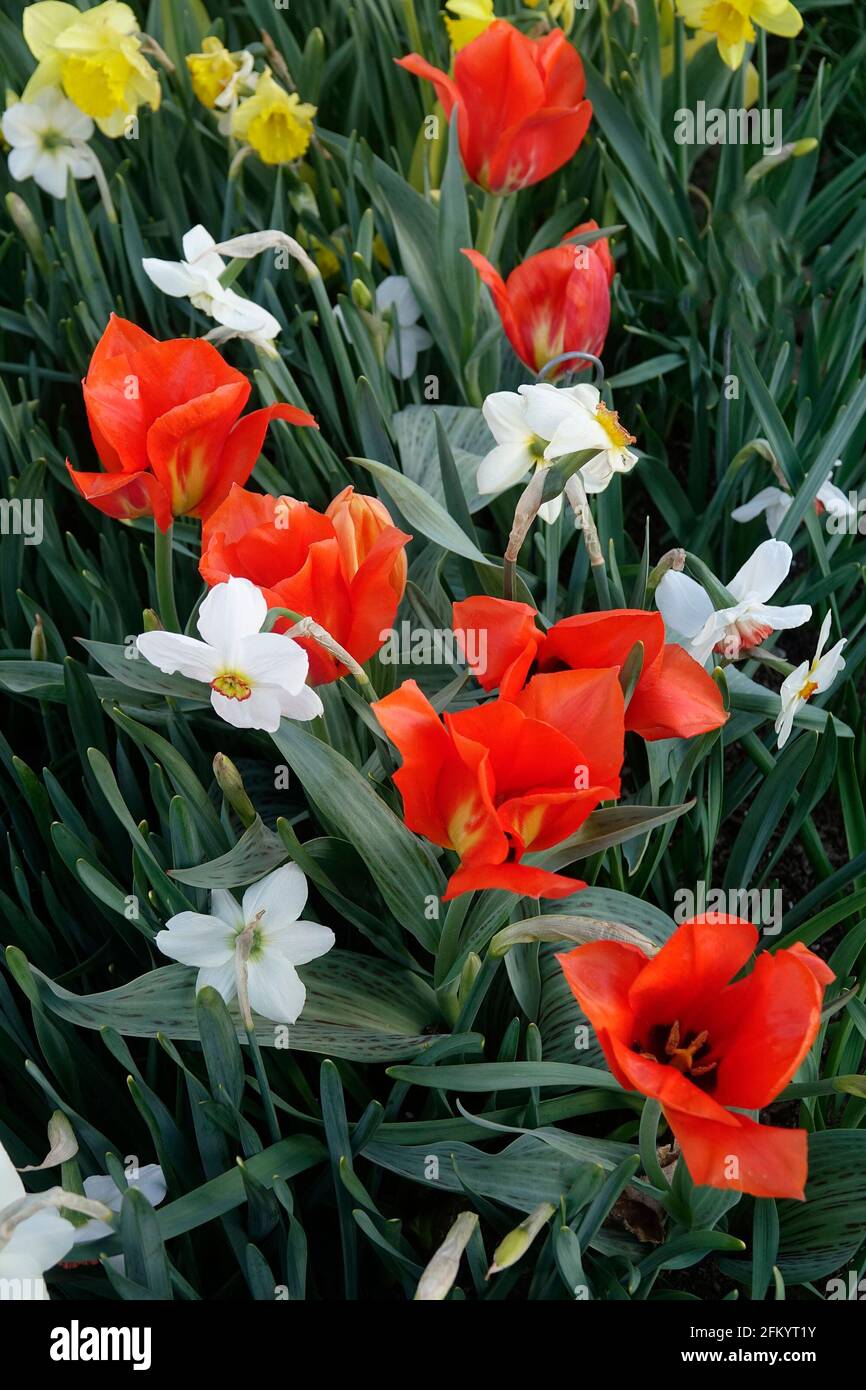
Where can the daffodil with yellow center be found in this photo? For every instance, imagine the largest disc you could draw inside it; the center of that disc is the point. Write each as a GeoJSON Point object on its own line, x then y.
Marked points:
{"type": "Point", "coordinates": [733, 22]}
{"type": "Point", "coordinates": [95, 56]}
{"type": "Point", "coordinates": [472, 17]}
{"type": "Point", "coordinates": [211, 70]}
{"type": "Point", "coordinates": [276, 123]}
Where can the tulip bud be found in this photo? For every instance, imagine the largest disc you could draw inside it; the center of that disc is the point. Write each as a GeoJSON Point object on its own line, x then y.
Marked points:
{"type": "Point", "coordinates": [26, 225]}
{"type": "Point", "coordinates": [517, 1242]}
{"type": "Point", "coordinates": [361, 296]}
{"type": "Point", "coordinates": [151, 621]}
{"type": "Point", "coordinates": [231, 785]}
{"type": "Point", "coordinates": [38, 645]}
{"type": "Point", "coordinates": [359, 522]}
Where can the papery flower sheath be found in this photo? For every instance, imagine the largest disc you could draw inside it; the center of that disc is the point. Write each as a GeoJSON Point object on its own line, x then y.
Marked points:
{"type": "Point", "coordinates": [505, 778]}
{"type": "Point", "coordinates": [346, 569]}
{"type": "Point", "coordinates": [555, 301]}
{"type": "Point", "coordinates": [683, 1030]}
{"type": "Point", "coordinates": [166, 423]}
{"type": "Point", "coordinates": [688, 610]}
{"type": "Point", "coordinates": [520, 103]}
{"type": "Point", "coordinates": [674, 696]}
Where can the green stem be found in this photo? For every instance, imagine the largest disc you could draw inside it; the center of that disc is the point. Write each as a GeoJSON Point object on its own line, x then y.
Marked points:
{"type": "Point", "coordinates": [487, 223]}
{"type": "Point", "coordinates": [682, 92]}
{"type": "Point", "coordinates": [412, 26]}
{"type": "Point", "coordinates": [164, 571]}
{"type": "Point", "coordinates": [264, 1088]}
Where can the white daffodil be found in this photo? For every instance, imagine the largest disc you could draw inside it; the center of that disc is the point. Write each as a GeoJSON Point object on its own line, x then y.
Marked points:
{"type": "Point", "coordinates": [150, 1181]}
{"type": "Point", "coordinates": [255, 677]}
{"type": "Point", "coordinates": [810, 678]}
{"type": "Point", "coordinates": [28, 1244]}
{"type": "Point", "coordinates": [197, 278]}
{"type": "Point", "coordinates": [48, 136]}
{"type": "Point", "coordinates": [278, 943]}
{"type": "Point", "coordinates": [536, 425]}
{"type": "Point", "coordinates": [688, 611]}
{"type": "Point", "coordinates": [776, 503]}
{"type": "Point", "coordinates": [407, 339]}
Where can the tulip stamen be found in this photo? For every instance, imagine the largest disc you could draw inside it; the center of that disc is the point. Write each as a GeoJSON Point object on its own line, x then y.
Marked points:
{"type": "Point", "coordinates": [683, 1053]}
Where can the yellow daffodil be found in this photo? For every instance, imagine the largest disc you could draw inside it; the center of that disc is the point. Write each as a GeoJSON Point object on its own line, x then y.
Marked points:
{"type": "Point", "coordinates": [560, 10]}
{"type": "Point", "coordinates": [211, 70]}
{"type": "Point", "coordinates": [275, 122]}
{"type": "Point", "coordinates": [472, 18]}
{"type": "Point", "coordinates": [95, 56]}
{"type": "Point", "coordinates": [693, 46]}
{"type": "Point", "coordinates": [733, 22]}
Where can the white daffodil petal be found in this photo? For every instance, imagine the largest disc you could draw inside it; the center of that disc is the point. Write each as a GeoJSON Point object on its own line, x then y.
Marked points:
{"type": "Point", "coordinates": [503, 467]}
{"type": "Point", "coordinates": [270, 658]}
{"type": "Point", "coordinates": [172, 277]}
{"type": "Point", "coordinates": [305, 704]}
{"type": "Point", "coordinates": [231, 611]}
{"type": "Point", "coordinates": [768, 499]}
{"type": "Point", "coordinates": [44, 1238]}
{"type": "Point", "coordinates": [222, 978]}
{"type": "Point", "coordinates": [225, 906]}
{"type": "Point", "coordinates": [301, 942]}
{"type": "Point", "coordinates": [275, 989]}
{"type": "Point", "coordinates": [51, 174]}
{"type": "Point", "coordinates": [505, 416]}
{"type": "Point", "coordinates": [395, 292]}
{"type": "Point", "coordinates": [782, 618]}
{"type": "Point", "coordinates": [763, 573]}
{"type": "Point", "coordinates": [548, 407]}
{"type": "Point", "coordinates": [281, 896]}
{"type": "Point", "coordinates": [683, 604]}
{"type": "Point", "coordinates": [195, 939]}
{"type": "Point", "coordinates": [172, 652]}
{"type": "Point", "coordinates": [260, 709]}
{"type": "Point", "coordinates": [549, 511]}
{"type": "Point", "coordinates": [11, 1186]}
{"type": "Point", "coordinates": [196, 243]}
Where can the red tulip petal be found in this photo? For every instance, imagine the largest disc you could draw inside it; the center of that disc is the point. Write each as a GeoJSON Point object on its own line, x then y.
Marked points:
{"type": "Point", "coordinates": [512, 878]}
{"type": "Point", "coordinates": [541, 819]}
{"type": "Point", "coordinates": [819, 968]}
{"type": "Point", "coordinates": [600, 975]}
{"type": "Point", "coordinates": [763, 1160]}
{"type": "Point", "coordinates": [505, 639]}
{"type": "Point", "coordinates": [538, 292]}
{"type": "Point", "coordinates": [595, 640]}
{"type": "Point", "coordinates": [317, 590]}
{"type": "Point", "coordinates": [373, 596]}
{"type": "Point", "coordinates": [185, 445]}
{"type": "Point", "coordinates": [496, 285]}
{"type": "Point", "coordinates": [242, 449]}
{"type": "Point", "coordinates": [125, 495]}
{"type": "Point", "coordinates": [443, 797]}
{"type": "Point", "coordinates": [241, 511]}
{"type": "Point", "coordinates": [683, 981]}
{"type": "Point", "coordinates": [525, 755]}
{"type": "Point", "coordinates": [446, 89]}
{"type": "Point", "coordinates": [536, 147]}
{"type": "Point", "coordinates": [675, 699]}
{"type": "Point", "coordinates": [121, 338]}
{"type": "Point", "coordinates": [561, 69]}
{"type": "Point", "coordinates": [599, 248]}
{"type": "Point", "coordinates": [586, 706]}
{"type": "Point", "coordinates": [762, 1027]}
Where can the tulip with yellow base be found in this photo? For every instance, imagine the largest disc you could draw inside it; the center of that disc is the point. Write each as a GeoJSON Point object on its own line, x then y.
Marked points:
{"type": "Point", "coordinates": [95, 56]}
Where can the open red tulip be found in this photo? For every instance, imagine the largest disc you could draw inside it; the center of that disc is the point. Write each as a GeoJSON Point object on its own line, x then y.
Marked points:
{"type": "Point", "coordinates": [556, 301]}
{"type": "Point", "coordinates": [502, 779]}
{"type": "Point", "coordinates": [675, 1028]}
{"type": "Point", "coordinates": [520, 104]}
{"type": "Point", "coordinates": [165, 420]}
{"type": "Point", "coordinates": [346, 569]}
{"type": "Point", "coordinates": [674, 696]}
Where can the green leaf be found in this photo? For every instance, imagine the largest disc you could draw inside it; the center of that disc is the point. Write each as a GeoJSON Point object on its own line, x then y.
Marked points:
{"type": "Point", "coordinates": [423, 512]}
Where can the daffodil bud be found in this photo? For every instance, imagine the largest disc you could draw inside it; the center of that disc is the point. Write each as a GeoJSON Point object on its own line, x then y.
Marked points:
{"type": "Point", "coordinates": [517, 1242]}
{"type": "Point", "coordinates": [361, 296]}
{"type": "Point", "coordinates": [150, 621]}
{"type": "Point", "coordinates": [438, 1278]}
{"type": "Point", "coordinates": [38, 645]}
{"type": "Point", "coordinates": [26, 226]}
{"type": "Point", "coordinates": [231, 785]}
{"type": "Point", "coordinates": [805, 146]}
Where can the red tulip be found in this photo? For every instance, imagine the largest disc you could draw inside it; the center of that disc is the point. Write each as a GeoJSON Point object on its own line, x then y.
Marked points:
{"type": "Point", "coordinates": [674, 696]}
{"type": "Point", "coordinates": [165, 422]}
{"type": "Point", "coordinates": [497, 781]}
{"type": "Point", "coordinates": [676, 1029]}
{"type": "Point", "coordinates": [557, 301]}
{"type": "Point", "coordinates": [346, 569]}
{"type": "Point", "coordinates": [520, 104]}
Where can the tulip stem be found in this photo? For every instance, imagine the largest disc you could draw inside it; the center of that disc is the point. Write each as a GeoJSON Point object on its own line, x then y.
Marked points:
{"type": "Point", "coordinates": [164, 572]}
{"type": "Point", "coordinates": [487, 223]}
